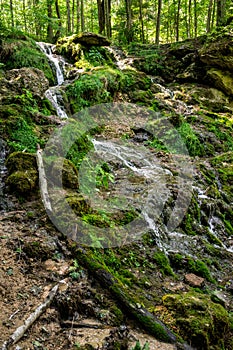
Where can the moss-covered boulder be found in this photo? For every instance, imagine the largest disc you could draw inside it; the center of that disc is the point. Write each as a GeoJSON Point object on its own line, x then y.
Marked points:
{"type": "Point", "coordinates": [23, 182]}
{"type": "Point", "coordinates": [91, 39]}
{"type": "Point", "coordinates": [201, 322]}
{"type": "Point", "coordinates": [218, 52]}
{"type": "Point", "coordinates": [18, 52]}
{"type": "Point", "coordinates": [22, 173]}
{"type": "Point", "coordinates": [22, 79]}
{"type": "Point", "coordinates": [69, 173]}
{"type": "Point", "coordinates": [21, 161]}
{"type": "Point", "coordinates": [222, 80]}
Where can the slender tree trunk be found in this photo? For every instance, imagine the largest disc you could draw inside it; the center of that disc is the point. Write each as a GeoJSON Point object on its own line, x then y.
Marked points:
{"type": "Point", "coordinates": [37, 24]}
{"type": "Point", "coordinates": [190, 18]}
{"type": "Point", "coordinates": [195, 18]}
{"type": "Point", "coordinates": [214, 14]}
{"type": "Point", "coordinates": [107, 10]}
{"type": "Point", "coordinates": [24, 16]}
{"type": "Point", "coordinates": [129, 31]}
{"type": "Point", "coordinates": [72, 16]}
{"type": "Point", "coordinates": [49, 27]}
{"type": "Point", "coordinates": [210, 11]}
{"type": "Point", "coordinates": [78, 16]}
{"type": "Point", "coordinates": [158, 21]}
{"type": "Point", "coordinates": [178, 20]}
{"type": "Point", "coordinates": [68, 16]}
{"type": "Point", "coordinates": [58, 33]}
{"type": "Point", "coordinates": [12, 13]}
{"type": "Point", "coordinates": [221, 9]}
{"type": "Point", "coordinates": [82, 16]}
{"type": "Point", "coordinates": [101, 17]}
{"type": "Point", "coordinates": [141, 21]}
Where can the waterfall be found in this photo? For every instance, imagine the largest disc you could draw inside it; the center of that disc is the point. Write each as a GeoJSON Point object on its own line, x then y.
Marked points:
{"type": "Point", "coordinates": [55, 61]}
{"type": "Point", "coordinates": [54, 94]}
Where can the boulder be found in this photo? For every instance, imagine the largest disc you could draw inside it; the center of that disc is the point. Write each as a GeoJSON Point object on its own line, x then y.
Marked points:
{"type": "Point", "coordinates": [222, 80]}
{"type": "Point", "coordinates": [218, 53]}
{"type": "Point", "coordinates": [194, 280]}
{"type": "Point", "coordinates": [31, 79]}
{"type": "Point", "coordinates": [91, 39]}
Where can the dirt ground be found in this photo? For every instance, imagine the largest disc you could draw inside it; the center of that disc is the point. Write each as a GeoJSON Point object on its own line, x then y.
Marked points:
{"type": "Point", "coordinates": [77, 315]}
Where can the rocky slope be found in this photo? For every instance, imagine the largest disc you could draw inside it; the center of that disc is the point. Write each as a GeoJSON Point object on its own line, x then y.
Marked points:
{"type": "Point", "coordinates": [176, 285]}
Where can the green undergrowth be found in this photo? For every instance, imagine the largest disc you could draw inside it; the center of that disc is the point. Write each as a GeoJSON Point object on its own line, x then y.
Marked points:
{"type": "Point", "coordinates": [17, 51]}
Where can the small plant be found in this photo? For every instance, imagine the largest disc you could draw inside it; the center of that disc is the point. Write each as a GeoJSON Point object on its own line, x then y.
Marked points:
{"type": "Point", "coordinates": [75, 270]}
{"type": "Point", "coordinates": [163, 262]}
{"type": "Point", "coordinates": [140, 347]}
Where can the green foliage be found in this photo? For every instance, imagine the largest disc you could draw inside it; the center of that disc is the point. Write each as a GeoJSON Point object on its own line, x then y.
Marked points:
{"type": "Point", "coordinates": [140, 347]}
{"type": "Point", "coordinates": [23, 137]}
{"type": "Point", "coordinates": [75, 270]}
{"type": "Point", "coordinates": [92, 88]}
{"type": "Point", "coordinates": [164, 264]}
{"type": "Point", "coordinates": [192, 142]}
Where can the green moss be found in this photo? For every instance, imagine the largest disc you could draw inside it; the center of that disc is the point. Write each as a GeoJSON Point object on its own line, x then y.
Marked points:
{"type": "Point", "coordinates": [23, 182]}
{"type": "Point", "coordinates": [21, 161]}
{"type": "Point", "coordinates": [198, 320]}
{"type": "Point", "coordinates": [163, 262]}
{"type": "Point", "coordinates": [25, 53]}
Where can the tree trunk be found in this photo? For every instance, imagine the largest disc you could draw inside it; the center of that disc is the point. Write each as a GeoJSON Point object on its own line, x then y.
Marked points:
{"type": "Point", "coordinates": [195, 18]}
{"type": "Point", "coordinates": [49, 27]}
{"type": "Point", "coordinates": [78, 16]}
{"type": "Point", "coordinates": [24, 16]}
{"type": "Point", "coordinates": [12, 13]}
{"type": "Point", "coordinates": [141, 21]}
{"type": "Point", "coordinates": [129, 31]}
{"type": "Point", "coordinates": [72, 16]}
{"type": "Point", "coordinates": [178, 20]}
{"type": "Point", "coordinates": [107, 10]}
{"type": "Point", "coordinates": [209, 16]}
{"type": "Point", "coordinates": [82, 16]}
{"type": "Point", "coordinates": [68, 17]}
{"type": "Point", "coordinates": [221, 9]}
{"type": "Point", "coordinates": [101, 17]}
{"type": "Point", "coordinates": [58, 33]}
{"type": "Point", "coordinates": [158, 21]}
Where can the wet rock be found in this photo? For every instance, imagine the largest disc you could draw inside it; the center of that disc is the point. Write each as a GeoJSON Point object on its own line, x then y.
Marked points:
{"type": "Point", "coordinates": [194, 280]}
{"type": "Point", "coordinates": [218, 53]}
{"type": "Point", "coordinates": [31, 79]}
{"type": "Point", "coordinates": [91, 39]}
{"type": "Point", "coordinates": [21, 161]}
{"type": "Point", "coordinates": [218, 297]}
{"type": "Point", "coordinates": [23, 182]}
{"type": "Point", "coordinates": [222, 80]}
{"type": "Point", "coordinates": [200, 321]}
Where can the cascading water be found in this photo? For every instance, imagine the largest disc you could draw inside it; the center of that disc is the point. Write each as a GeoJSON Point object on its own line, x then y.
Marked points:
{"type": "Point", "coordinates": [54, 94]}
{"type": "Point", "coordinates": [56, 61]}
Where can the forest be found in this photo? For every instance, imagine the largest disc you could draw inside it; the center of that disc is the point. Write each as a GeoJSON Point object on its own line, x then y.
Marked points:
{"type": "Point", "coordinates": [125, 21]}
{"type": "Point", "coordinates": [116, 175]}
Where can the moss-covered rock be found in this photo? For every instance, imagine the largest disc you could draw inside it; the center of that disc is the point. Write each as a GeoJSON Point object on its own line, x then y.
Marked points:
{"type": "Point", "coordinates": [22, 79]}
{"type": "Point", "coordinates": [21, 161]}
{"type": "Point", "coordinates": [222, 80]}
{"type": "Point", "coordinates": [69, 173]}
{"type": "Point", "coordinates": [24, 52]}
{"type": "Point", "coordinates": [23, 182]}
{"type": "Point", "coordinates": [198, 320]}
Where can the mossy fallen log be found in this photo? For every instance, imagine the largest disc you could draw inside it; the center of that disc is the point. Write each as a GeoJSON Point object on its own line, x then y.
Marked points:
{"type": "Point", "coordinates": [146, 319]}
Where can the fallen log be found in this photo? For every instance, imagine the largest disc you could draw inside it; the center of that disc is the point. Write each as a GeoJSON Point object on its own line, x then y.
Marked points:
{"type": "Point", "coordinates": [146, 319]}
{"type": "Point", "coordinates": [43, 181]}
{"type": "Point", "coordinates": [20, 331]}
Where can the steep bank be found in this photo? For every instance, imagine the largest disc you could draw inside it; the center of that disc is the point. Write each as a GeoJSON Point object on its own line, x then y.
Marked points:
{"type": "Point", "coordinates": [178, 276]}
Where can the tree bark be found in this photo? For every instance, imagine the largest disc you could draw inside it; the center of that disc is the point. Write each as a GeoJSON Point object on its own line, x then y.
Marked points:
{"type": "Point", "coordinates": [12, 13]}
{"type": "Point", "coordinates": [158, 22]}
{"type": "Point", "coordinates": [101, 17]}
{"type": "Point", "coordinates": [58, 33]}
{"type": "Point", "coordinates": [68, 17]}
{"type": "Point", "coordinates": [141, 21]}
{"type": "Point", "coordinates": [209, 16]}
{"type": "Point", "coordinates": [49, 27]}
{"type": "Point", "coordinates": [221, 9]}
{"type": "Point", "coordinates": [82, 16]}
{"type": "Point", "coordinates": [129, 29]}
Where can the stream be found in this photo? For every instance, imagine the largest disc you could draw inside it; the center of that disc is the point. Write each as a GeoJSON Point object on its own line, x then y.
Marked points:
{"type": "Point", "coordinates": [150, 191]}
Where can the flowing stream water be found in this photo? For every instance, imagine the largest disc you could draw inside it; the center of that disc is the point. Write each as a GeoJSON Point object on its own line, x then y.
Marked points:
{"type": "Point", "coordinates": [152, 200]}
{"type": "Point", "coordinates": [54, 94]}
